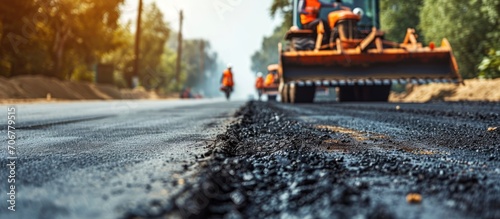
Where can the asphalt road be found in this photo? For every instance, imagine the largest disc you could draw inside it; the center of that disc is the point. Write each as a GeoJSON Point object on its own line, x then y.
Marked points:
{"type": "Point", "coordinates": [106, 159]}
{"type": "Point", "coordinates": [353, 160]}
{"type": "Point", "coordinates": [217, 159]}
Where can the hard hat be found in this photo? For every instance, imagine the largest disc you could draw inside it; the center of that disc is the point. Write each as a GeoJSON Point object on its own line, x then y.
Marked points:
{"type": "Point", "coordinates": [259, 74]}
{"type": "Point", "coordinates": [358, 11]}
{"type": "Point", "coordinates": [229, 65]}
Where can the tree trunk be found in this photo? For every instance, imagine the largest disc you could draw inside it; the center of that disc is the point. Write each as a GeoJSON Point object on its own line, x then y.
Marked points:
{"type": "Point", "coordinates": [62, 35]}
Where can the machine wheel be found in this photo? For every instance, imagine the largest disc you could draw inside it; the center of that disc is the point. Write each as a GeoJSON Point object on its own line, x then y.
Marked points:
{"type": "Point", "coordinates": [271, 98]}
{"type": "Point", "coordinates": [302, 94]}
{"type": "Point", "coordinates": [376, 93]}
{"type": "Point", "coordinates": [347, 94]}
{"type": "Point", "coordinates": [379, 93]}
{"type": "Point", "coordinates": [285, 97]}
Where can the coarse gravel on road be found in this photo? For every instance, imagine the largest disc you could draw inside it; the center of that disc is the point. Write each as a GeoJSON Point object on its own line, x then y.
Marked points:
{"type": "Point", "coordinates": [352, 160]}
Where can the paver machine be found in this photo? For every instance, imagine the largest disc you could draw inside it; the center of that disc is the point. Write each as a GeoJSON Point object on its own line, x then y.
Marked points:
{"type": "Point", "coordinates": [348, 51]}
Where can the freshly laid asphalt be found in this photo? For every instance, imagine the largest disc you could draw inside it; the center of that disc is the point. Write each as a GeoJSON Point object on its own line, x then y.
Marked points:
{"type": "Point", "coordinates": [219, 159]}
{"type": "Point", "coordinates": [353, 160]}
{"type": "Point", "coordinates": [106, 159]}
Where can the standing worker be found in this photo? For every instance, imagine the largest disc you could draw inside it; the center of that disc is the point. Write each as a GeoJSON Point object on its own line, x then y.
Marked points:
{"type": "Point", "coordinates": [259, 84]}
{"type": "Point", "coordinates": [227, 82]}
{"type": "Point", "coordinates": [271, 82]}
{"type": "Point", "coordinates": [271, 78]}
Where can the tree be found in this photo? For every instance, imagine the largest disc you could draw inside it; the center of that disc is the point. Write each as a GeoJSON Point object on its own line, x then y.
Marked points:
{"type": "Point", "coordinates": [154, 36]}
{"type": "Point", "coordinates": [92, 31]}
{"type": "Point", "coordinates": [197, 53]}
{"type": "Point", "coordinates": [472, 27]}
{"type": "Point", "coordinates": [21, 42]}
{"type": "Point", "coordinates": [490, 65]}
{"type": "Point", "coordinates": [56, 37]}
{"type": "Point", "coordinates": [68, 38]}
{"type": "Point", "coordinates": [397, 16]}
{"type": "Point", "coordinates": [283, 7]}
{"type": "Point", "coordinates": [122, 57]}
{"type": "Point", "coordinates": [268, 54]}
{"type": "Point", "coordinates": [158, 57]}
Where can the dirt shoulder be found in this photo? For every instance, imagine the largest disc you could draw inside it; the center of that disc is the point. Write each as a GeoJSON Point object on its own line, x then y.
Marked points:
{"type": "Point", "coordinates": [471, 90]}
{"type": "Point", "coordinates": [33, 88]}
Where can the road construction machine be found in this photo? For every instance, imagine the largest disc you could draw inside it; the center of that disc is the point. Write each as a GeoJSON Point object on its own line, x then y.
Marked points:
{"type": "Point", "coordinates": [348, 51]}
{"type": "Point", "coordinates": [271, 85]}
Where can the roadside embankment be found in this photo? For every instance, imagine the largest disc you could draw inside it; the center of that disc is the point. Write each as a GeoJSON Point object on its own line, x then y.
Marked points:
{"type": "Point", "coordinates": [471, 90]}
{"type": "Point", "coordinates": [36, 88]}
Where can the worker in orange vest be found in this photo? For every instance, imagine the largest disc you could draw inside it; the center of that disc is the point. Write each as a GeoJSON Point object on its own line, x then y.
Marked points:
{"type": "Point", "coordinates": [259, 84]}
{"type": "Point", "coordinates": [226, 81]}
{"type": "Point", "coordinates": [310, 10]}
{"type": "Point", "coordinates": [271, 78]}
{"type": "Point", "coordinates": [227, 77]}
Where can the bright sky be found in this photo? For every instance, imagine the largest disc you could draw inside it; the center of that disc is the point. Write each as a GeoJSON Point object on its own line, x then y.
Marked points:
{"type": "Point", "coordinates": [235, 29]}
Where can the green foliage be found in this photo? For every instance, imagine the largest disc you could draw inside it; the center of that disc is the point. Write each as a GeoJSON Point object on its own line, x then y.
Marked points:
{"type": "Point", "coordinates": [397, 16]}
{"type": "Point", "coordinates": [157, 66]}
{"type": "Point", "coordinates": [55, 37]}
{"type": "Point", "coordinates": [12, 41]}
{"type": "Point", "coordinates": [284, 8]}
{"type": "Point", "coordinates": [490, 65]}
{"type": "Point", "coordinates": [122, 57]}
{"type": "Point", "coordinates": [279, 5]}
{"type": "Point", "coordinates": [197, 53]}
{"type": "Point", "coordinates": [472, 27]}
{"type": "Point", "coordinates": [82, 74]}
{"type": "Point", "coordinates": [68, 38]}
{"type": "Point", "coordinates": [155, 34]}
{"type": "Point", "coordinates": [268, 54]}
{"type": "Point", "coordinates": [167, 66]}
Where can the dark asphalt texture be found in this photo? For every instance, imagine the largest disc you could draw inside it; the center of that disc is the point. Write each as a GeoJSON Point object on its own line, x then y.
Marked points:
{"type": "Point", "coordinates": [108, 159]}
{"type": "Point", "coordinates": [351, 160]}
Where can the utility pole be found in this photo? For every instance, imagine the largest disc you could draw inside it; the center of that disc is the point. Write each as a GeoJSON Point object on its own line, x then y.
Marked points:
{"type": "Point", "coordinates": [179, 50]}
{"type": "Point", "coordinates": [202, 61]}
{"type": "Point", "coordinates": [135, 77]}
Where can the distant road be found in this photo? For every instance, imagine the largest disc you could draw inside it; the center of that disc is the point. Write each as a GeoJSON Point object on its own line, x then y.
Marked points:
{"type": "Point", "coordinates": [105, 159]}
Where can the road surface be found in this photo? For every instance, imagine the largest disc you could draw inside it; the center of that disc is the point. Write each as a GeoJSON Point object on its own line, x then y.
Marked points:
{"type": "Point", "coordinates": [218, 159]}
{"type": "Point", "coordinates": [106, 159]}
{"type": "Point", "coordinates": [353, 160]}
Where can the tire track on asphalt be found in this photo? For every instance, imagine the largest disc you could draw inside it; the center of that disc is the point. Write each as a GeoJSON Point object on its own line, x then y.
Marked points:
{"type": "Point", "coordinates": [45, 125]}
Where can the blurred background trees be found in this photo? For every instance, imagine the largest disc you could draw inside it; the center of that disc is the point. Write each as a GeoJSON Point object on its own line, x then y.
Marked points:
{"type": "Point", "coordinates": [268, 54]}
{"type": "Point", "coordinates": [471, 26]}
{"type": "Point", "coordinates": [68, 39]}
{"type": "Point", "coordinates": [396, 16]}
{"type": "Point", "coordinates": [56, 38]}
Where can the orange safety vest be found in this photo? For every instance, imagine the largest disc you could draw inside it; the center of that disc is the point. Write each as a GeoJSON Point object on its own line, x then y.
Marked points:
{"type": "Point", "coordinates": [269, 80]}
{"type": "Point", "coordinates": [311, 10]}
{"type": "Point", "coordinates": [259, 84]}
{"type": "Point", "coordinates": [227, 79]}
